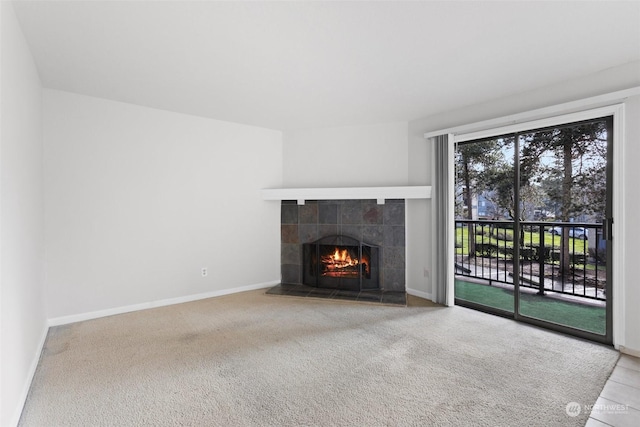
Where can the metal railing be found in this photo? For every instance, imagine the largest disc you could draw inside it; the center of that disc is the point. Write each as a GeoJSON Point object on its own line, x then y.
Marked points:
{"type": "Point", "coordinates": [567, 258]}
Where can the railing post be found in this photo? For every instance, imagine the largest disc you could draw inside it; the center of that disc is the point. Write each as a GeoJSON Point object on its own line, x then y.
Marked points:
{"type": "Point", "coordinates": [541, 262]}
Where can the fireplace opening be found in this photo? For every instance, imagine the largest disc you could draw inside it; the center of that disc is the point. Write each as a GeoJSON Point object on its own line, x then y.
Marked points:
{"type": "Point", "coordinates": [341, 262]}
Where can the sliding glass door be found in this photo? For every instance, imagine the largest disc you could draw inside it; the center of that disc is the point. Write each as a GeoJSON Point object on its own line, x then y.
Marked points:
{"type": "Point", "coordinates": [533, 212]}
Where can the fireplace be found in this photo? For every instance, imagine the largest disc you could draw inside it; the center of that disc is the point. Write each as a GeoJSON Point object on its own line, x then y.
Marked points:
{"type": "Point", "coordinates": [341, 262]}
{"type": "Point", "coordinates": [369, 232]}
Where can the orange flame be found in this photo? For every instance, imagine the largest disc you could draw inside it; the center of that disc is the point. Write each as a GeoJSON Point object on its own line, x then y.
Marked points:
{"type": "Point", "coordinates": [343, 256]}
{"type": "Point", "coordinates": [339, 259]}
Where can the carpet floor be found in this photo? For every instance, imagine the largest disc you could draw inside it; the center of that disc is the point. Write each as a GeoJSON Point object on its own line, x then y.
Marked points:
{"type": "Point", "coordinates": [251, 359]}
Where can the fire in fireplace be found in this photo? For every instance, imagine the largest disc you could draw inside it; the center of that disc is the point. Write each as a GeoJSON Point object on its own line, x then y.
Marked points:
{"type": "Point", "coordinates": [341, 262]}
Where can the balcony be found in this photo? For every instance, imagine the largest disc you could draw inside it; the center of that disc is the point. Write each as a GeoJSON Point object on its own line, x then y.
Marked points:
{"type": "Point", "coordinates": [562, 263]}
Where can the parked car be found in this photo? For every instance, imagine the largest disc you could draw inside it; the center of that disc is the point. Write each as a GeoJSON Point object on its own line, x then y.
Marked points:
{"type": "Point", "coordinates": [576, 232]}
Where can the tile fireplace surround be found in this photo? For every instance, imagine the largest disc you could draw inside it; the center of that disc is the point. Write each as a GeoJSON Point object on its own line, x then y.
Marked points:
{"type": "Point", "coordinates": [382, 225]}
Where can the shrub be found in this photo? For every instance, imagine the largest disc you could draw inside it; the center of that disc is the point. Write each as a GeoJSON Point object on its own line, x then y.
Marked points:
{"type": "Point", "coordinates": [599, 254]}
{"type": "Point", "coordinates": [503, 235]}
{"type": "Point", "coordinates": [486, 249]}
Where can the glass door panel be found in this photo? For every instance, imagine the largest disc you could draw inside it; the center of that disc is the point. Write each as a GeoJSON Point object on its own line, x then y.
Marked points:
{"type": "Point", "coordinates": [563, 200]}
{"type": "Point", "coordinates": [484, 224]}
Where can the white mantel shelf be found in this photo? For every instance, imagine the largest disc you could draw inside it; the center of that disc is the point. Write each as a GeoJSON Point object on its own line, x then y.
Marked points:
{"type": "Point", "coordinates": [347, 193]}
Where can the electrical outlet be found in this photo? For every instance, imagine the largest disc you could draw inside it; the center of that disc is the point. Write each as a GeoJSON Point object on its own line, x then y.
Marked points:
{"type": "Point", "coordinates": [204, 272]}
{"type": "Point", "coordinates": [426, 273]}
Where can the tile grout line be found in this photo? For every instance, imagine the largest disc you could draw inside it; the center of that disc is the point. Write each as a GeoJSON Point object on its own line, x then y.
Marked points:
{"type": "Point", "coordinates": [618, 382]}
{"type": "Point", "coordinates": [616, 401]}
{"type": "Point", "coordinates": [601, 422]}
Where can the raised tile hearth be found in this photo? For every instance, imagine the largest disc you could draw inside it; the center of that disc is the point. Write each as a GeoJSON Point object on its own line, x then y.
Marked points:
{"type": "Point", "coordinates": [377, 296]}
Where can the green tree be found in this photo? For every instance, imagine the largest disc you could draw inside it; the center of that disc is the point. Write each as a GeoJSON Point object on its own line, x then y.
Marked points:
{"type": "Point", "coordinates": [472, 160]}
{"type": "Point", "coordinates": [575, 180]}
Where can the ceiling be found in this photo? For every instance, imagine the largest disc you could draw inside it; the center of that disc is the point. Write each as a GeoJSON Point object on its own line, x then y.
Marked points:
{"type": "Point", "coordinates": [293, 65]}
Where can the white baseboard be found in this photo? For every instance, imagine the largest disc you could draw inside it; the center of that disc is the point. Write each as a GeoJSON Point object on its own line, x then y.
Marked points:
{"type": "Point", "coordinates": [629, 351]}
{"type": "Point", "coordinates": [421, 294]}
{"type": "Point", "coordinates": [64, 320]}
{"type": "Point", "coordinates": [27, 385]}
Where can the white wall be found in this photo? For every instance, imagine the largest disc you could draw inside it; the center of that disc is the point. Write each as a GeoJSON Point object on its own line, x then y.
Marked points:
{"type": "Point", "coordinates": [609, 80]}
{"type": "Point", "coordinates": [22, 314]}
{"type": "Point", "coordinates": [374, 155]}
{"type": "Point", "coordinates": [631, 253]}
{"type": "Point", "coordinates": [419, 217]}
{"type": "Point", "coordinates": [138, 200]}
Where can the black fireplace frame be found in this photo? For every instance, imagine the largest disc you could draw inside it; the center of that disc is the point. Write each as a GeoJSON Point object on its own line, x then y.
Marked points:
{"type": "Point", "coordinates": [311, 266]}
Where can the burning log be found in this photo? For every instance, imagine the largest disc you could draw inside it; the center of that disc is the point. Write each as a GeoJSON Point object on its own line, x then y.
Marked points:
{"type": "Point", "coordinates": [340, 263]}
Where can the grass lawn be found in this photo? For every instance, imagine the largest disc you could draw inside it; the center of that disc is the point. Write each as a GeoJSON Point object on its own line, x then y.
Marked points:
{"type": "Point", "coordinates": [588, 318]}
{"type": "Point", "coordinates": [530, 239]}
{"type": "Point", "coordinates": [502, 241]}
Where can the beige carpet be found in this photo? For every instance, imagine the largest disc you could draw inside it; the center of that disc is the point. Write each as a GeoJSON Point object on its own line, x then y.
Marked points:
{"type": "Point", "coordinates": [251, 359]}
